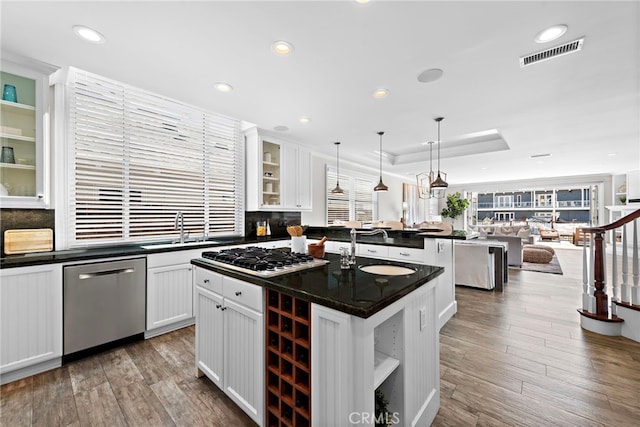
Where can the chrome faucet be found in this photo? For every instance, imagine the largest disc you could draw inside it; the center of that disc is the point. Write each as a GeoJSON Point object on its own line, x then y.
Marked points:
{"type": "Point", "coordinates": [354, 233]}
{"type": "Point", "coordinates": [179, 225]}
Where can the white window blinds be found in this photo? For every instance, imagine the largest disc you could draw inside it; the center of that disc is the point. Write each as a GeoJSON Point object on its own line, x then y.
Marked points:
{"type": "Point", "coordinates": [357, 203]}
{"type": "Point", "coordinates": [139, 158]}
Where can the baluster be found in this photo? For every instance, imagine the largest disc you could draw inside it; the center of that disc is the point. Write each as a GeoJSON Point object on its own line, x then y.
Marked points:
{"type": "Point", "coordinates": [614, 273]}
{"type": "Point", "coordinates": [635, 293]}
{"type": "Point", "coordinates": [588, 300]}
{"type": "Point", "coordinates": [598, 275]}
{"type": "Point", "coordinates": [626, 287]}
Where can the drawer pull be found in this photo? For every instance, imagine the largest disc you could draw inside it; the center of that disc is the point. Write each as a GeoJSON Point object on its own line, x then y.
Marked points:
{"type": "Point", "coordinates": [218, 305]}
{"type": "Point", "coordinates": [223, 308]}
{"type": "Point", "coordinates": [206, 280]}
{"type": "Point", "coordinates": [372, 251]}
{"type": "Point", "coordinates": [238, 293]}
{"type": "Point", "coordinates": [404, 254]}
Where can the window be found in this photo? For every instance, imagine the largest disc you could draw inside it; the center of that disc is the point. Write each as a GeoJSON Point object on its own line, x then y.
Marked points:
{"type": "Point", "coordinates": [357, 203]}
{"type": "Point", "coordinates": [138, 158]}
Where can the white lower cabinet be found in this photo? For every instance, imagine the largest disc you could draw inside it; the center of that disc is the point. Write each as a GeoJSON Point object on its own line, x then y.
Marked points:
{"type": "Point", "coordinates": [395, 351]}
{"type": "Point", "coordinates": [230, 338]}
{"type": "Point", "coordinates": [30, 320]}
{"type": "Point", "coordinates": [170, 291]}
{"type": "Point", "coordinates": [169, 295]}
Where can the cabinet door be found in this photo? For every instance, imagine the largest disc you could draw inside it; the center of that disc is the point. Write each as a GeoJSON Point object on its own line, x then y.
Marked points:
{"type": "Point", "coordinates": [23, 170]}
{"type": "Point", "coordinates": [272, 175]}
{"type": "Point", "coordinates": [209, 335]}
{"type": "Point", "coordinates": [244, 358]}
{"type": "Point", "coordinates": [169, 295]}
{"type": "Point", "coordinates": [296, 172]}
{"type": "Point", "coordinates": [30, 316]}
{"type": "Point", "coordinates": [304, 182]}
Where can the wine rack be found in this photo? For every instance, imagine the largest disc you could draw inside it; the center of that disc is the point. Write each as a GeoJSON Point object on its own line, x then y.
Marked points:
{"type": "Point", "coordinates": [288, 361]}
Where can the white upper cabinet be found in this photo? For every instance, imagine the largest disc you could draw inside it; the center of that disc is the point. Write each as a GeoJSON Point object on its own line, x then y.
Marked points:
{"type": "Point", "coordinates": [278, 174]}
{"type": "Point", "coordinates": [24, 132]}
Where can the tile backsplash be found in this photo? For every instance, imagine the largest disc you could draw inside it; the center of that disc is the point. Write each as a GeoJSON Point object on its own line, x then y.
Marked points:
{"type": "Point", "coordinates": [12, 219]}
{"type": "Point", "coordinates": [278, 222]}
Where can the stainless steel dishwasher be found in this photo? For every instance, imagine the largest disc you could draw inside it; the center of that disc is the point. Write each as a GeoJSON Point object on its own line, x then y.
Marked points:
{"type": "Point", "coordinates": [103, 302]}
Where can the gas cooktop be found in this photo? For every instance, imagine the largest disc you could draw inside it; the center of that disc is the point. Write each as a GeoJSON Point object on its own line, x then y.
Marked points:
{"type": "Point", "coordinates": [260, 261]}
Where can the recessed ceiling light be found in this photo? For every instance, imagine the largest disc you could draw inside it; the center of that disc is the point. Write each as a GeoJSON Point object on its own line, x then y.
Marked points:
{"type": "Point", "coordinates": [550, 33]}
{"type": "Point", "coordinates": [281, 128]}
{"type": "Point", "coordinates": [380, 93]}
{"type": "Point", "coordinates": [612, 154]}
{"type": "Point", "coordinates": [282, 47]}
{"type": "Point", "coordinates": [430, 75]}
{"type": "Point", "coordinates": [305, 119]}
{"type": "Point", "coordinates": [88, 34]}
{"type": "Point", "coordinates": [223, 87]}
{"type": "Point", "coordinates": [362, 1]}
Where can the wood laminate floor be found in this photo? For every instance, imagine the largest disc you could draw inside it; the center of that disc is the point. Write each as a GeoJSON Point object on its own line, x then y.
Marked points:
{"type": "Point", "coordinates": [517, 358]}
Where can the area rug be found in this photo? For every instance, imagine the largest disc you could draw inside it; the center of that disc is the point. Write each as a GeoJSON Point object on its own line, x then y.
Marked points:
{"type": "Point", "coordinates": [552, 267]}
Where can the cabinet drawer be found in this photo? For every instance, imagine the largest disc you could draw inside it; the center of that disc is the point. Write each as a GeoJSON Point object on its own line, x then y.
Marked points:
{"type": "Point", "coordinates": [407, 254]}
{"type": "Point", "coordinates": [208, 280]}
{"type": "Point", "coordinates": [373, 251]}
{"type": "Point", "coordinates": [247, 294]}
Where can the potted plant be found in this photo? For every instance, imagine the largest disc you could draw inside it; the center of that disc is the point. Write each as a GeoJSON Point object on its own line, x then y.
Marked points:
{"type": "Point", "coordinates": [381, 409]}
{"type": "Point", "coordinates": [456, 206]}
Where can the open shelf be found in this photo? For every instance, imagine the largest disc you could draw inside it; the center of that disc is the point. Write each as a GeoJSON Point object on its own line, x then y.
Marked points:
{"type": "Point", "coordinates": [17, 166]}
{"type": "Point", "coordinates": [384, 366]}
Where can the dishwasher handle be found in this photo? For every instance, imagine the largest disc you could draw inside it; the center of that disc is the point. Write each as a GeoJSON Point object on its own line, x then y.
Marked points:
{"type": "Point", "coordinates": [83, 276]}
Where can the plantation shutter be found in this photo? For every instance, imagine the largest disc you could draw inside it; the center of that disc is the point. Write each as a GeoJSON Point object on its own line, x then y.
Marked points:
{"type": "Point", "coordinates": [357, 203]}
{"type": "Point", "coordinates": [139, 158]}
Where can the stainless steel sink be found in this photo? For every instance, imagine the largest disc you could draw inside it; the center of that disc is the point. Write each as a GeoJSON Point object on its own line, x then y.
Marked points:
{"type": "Point", "coordinates": [387, 270]}
{"type": "Point", "coordinates": [178, 245]}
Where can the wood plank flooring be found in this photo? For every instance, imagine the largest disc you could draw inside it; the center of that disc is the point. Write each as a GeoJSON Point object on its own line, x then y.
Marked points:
{"type": "Point", "coordinates": [520, 358]}
{"type": "Point", "coordinates": [517, 358]}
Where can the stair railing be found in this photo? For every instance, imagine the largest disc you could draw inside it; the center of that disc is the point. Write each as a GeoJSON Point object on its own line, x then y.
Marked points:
{"type": "Point", "coordinates": [595, 302]}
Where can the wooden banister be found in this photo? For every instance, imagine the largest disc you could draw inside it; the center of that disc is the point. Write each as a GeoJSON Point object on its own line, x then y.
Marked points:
{"type": "Point", "coordinates": [598, 269]}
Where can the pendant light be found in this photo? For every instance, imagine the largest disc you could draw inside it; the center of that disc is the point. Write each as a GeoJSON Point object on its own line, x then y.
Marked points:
{"type": "Point", "coordinates": [424, 179]}
{"type": "Point", "coordinates": [380, 186]}
{"type": "Point", "coordinates": [439, 183]}
{"type": "Point", "coordinates": [337, 190]}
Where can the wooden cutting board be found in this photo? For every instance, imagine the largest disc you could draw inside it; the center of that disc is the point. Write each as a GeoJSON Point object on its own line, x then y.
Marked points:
{"type": "Point", "coordinates": [28, 240]}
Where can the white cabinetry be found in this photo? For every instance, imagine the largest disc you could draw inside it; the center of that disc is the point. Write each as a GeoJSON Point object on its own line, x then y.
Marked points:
{"type": "Point", "coordinates": [230, 338]}
{"type": "Point", "coordinates": [372, 251]}
{"type": "Point", "coordinates": [395, 350]}
{"type": "Point", "coordinates": [439, 252]}
{"type": "Point", "coordinates": [278, 174]}
{"type": "Point", "coordinates": [169, 291]}
{"type": "Point", "coordinates": [30, 320]}
{"type": "Point", "coordinates": [296, 174]}
{"type": "Point", "coordinates": [24, 136]}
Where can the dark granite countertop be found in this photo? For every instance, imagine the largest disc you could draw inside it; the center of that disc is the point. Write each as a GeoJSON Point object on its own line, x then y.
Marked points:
{"type": "Point", "coordinates": [401, 238]}
{"type": "Point", "coordinates": [410, 238]}
{"type": "Point", "coordinates": [350, 291]}
{"type": "Point", "coordinates": [122, 250]}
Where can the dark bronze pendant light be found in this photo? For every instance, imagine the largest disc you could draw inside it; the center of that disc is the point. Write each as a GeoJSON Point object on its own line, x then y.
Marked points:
{"type": "Point", "coordinates": [439, 182]}
{"type": "Point", "coordinates": [380, 186]}
{"type": "Point", "coordinates": [337, 190]}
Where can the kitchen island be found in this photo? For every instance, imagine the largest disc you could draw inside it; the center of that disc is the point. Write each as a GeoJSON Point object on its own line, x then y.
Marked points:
{"type": "Point", "coordinates": [312, 347]}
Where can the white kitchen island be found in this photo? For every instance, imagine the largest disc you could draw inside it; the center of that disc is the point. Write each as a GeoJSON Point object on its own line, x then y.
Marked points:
{"type": "Point", "coordinates": [364, 333]}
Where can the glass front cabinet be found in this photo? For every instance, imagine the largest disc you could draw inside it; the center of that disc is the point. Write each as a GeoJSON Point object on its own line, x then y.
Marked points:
{"type": "Point", "coordinates": [278, 174]}
{"type": "Point", "coordinates": [24, 133]}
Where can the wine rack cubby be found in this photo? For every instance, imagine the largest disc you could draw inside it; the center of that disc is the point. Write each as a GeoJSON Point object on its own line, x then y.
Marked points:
{"type": "Point", "coordinates": [288, 361]}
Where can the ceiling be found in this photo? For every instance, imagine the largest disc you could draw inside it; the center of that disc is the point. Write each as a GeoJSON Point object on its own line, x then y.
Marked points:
{"type": "Point", "coordinates": [582, 108]}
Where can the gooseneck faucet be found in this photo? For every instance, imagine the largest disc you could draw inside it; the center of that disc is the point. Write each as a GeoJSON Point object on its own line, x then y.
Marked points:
{"type": "Point", "coordinates": [354, 233]}
{"type": "Point", "coordinates": [179, 225]}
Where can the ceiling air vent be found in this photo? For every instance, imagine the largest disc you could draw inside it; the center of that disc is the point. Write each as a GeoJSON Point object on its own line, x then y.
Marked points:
{"type": "Point", "coordinates": [554, 52]}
